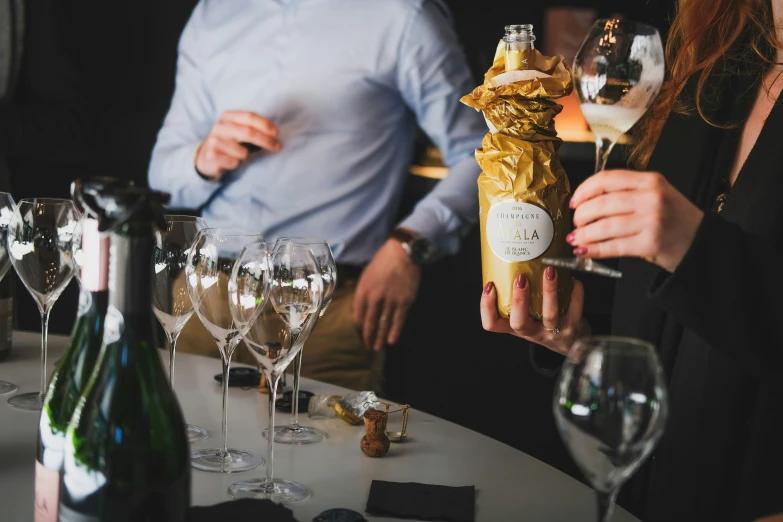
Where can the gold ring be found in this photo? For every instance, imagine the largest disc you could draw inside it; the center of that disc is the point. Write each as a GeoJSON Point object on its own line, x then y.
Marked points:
{"type": "Point", "coordinates": [555, 330]}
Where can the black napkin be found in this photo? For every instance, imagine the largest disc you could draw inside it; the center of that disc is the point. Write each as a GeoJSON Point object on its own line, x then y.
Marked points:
{"type": "Point", "coordinates": [422, 501]}
{"type": "Point", "coordinates": [243, 509]}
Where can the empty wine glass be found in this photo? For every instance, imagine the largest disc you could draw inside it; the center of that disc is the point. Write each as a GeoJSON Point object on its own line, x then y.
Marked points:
{"type": "Point", "coordinates": [40, 242]}
{"type": "Point", "coordinates": [295, 294]}
{"type": "Point", "coordinates": [618, 72]}
{"type": "Point", "coordinates": [210, 261]}
{"type": "Point", "coordinates": [7, 207]}
{"type": "Point", "coordinates": [170, 300]}
{"type": "Point", "coordinates": [610, 408]}
{"type": "Point", "coordinates": [294, 433]}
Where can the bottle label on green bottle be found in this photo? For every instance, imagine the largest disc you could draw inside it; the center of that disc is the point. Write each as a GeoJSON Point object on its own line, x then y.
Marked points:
{"type": "Point", "coordinates": [47, 488]}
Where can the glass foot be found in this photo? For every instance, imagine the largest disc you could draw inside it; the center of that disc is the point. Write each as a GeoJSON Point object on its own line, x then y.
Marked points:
{"type": "Point", "coordinates": [196, 433]}
{"type": "Point", "coordinates": [296, 435]}
{"type": "Point", "coordinates": [27, 401]}
{"type": "Point", "coordinates": [235, 462]}
{"type": "Point", "coordinates": [279, 490]}
{"type": "Point", "coordinates": [7, 387]}
{"type": "Point", "coordinates": [583, 264]}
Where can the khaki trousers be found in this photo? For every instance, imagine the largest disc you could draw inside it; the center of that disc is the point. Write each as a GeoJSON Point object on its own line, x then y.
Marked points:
{"type": "Point", "coordinates": [334, 352]}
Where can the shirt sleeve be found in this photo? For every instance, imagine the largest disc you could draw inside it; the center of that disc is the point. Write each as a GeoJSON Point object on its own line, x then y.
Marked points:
{"type": "Point", "coordinates": [432, 76]}
{"type": "Point", "coordinates": [727, 290]}
{"type": "Point", "coordinates": [188, 122]}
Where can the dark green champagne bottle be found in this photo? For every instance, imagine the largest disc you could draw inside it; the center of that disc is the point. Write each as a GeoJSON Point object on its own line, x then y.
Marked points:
{"type": "Point", "coordinates": [72, 374]}
{"type": "Point", "coordinates": [126, 451]}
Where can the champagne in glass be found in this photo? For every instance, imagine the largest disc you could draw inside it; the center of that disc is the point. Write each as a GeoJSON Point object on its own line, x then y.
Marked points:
{"type": "Point", "coordinates": [7, 207]}
{"type": "Point", "coordinates": [618, 73]}
{"type": "Point", "coordinates": [295, 433]}
{"type": "Point", "coordinates": [610, 408]}
{"type": "Point", "coordinates": [210, 261]}
{"type": "Point", "coordinates": [170, 300]}
{"type": "Point", "coordinates": [40, 242]}
{"type": "Point", "coordinates": [275, 337]}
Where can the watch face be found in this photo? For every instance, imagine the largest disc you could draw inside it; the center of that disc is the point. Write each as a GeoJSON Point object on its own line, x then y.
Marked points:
{"type": "Point", "coordinates": [421, 251]}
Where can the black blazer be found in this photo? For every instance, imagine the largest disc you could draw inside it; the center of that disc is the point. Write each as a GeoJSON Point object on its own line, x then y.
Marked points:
{"type": "Point", "coordinates": [716, 323]}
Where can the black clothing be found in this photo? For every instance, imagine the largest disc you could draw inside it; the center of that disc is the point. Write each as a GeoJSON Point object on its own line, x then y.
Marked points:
{"type": "Point", "coordinates": [714, 321]}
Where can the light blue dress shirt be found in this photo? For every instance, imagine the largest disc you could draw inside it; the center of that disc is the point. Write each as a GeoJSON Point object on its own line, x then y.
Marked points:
{"type": "Point", "coordinates": [346, 82]}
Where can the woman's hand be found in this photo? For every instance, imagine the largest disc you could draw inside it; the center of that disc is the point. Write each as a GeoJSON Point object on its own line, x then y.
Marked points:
{"type": "Point", "coordinates": [569, 326]}
{"type": "Point", "coordinates": [623, 213]}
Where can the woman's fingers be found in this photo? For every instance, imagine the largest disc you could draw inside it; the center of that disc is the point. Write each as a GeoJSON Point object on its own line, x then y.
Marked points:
{"type": "Point", "coordinates": [489, 311]}
{"type": "Point", "coordinates": [607, 182]}
{"type": "Point", "coordinates": [550, 308]}
{"type": "Point", "coordinates": [614, 204]}
{"type": "Point", "coordinates": [615, 227]}
{"type": "Point", "coordinates": [519, 319]}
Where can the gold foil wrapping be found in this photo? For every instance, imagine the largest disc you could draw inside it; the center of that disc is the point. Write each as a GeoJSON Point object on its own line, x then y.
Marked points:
{"type": "Point", "coordinates": [522, 184]}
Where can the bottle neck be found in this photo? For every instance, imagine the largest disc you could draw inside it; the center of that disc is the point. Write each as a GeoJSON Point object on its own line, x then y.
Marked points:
{"type": "Point", "coordinates": [130, 284]}
{"type": "Point", "coordinates": [95, 262]}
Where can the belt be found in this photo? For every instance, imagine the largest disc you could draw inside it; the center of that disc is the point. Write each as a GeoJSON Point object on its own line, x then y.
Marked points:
{"type": "Point", "coordinates": [348, 273]}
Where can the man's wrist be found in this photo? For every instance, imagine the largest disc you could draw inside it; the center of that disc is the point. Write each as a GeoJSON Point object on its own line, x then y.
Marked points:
{"type": "Point", "coordinates": [418, 248]}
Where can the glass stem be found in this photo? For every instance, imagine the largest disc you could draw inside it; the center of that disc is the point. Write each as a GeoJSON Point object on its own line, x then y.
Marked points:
{"type": "Point", "coordinates": [226, 366]}
{"type": "Point", "coordinates": [44, 340]}
{"type": "Point", "coordinates": [273, 379]}
{"type": "Point", "coordinates": [605, 505]}
{"type": "Point", "coordinates": [603, 148]}
{"type": "Point", "coordinates": [297, 371]}
{"type": "Point", "coordinates": [172, 350]}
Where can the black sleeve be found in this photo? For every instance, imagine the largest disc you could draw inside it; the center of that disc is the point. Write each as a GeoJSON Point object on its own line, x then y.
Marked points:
{"type": "Point", "coordinates": [728, 290]}
{"type": "Point", "coordinates": [48, 113]}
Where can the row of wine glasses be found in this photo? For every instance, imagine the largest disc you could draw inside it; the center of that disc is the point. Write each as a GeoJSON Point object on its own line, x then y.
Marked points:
{"type": "Point", "coordinates": [270, 299]}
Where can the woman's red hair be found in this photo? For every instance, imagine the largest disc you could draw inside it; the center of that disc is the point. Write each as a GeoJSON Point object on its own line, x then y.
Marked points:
{"type": "Point", "coordinates": [702, 41]}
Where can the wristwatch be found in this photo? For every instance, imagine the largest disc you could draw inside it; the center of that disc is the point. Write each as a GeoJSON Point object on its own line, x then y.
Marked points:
{"type": "Point", "coordinates": [419, 248]}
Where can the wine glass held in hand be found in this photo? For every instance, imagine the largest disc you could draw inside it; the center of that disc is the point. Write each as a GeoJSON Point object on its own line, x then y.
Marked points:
{"type": "Point", "coordinates": [295, 294]}
{"type": "Point", "coordinates": [170, 300]}
{"type": "Point", "coordinates": [618, 72]}
{"type": "Point", "coordinates": [610, 408]}
{"type": "Point", "coordinates": [210, 261]}
{"type": "Point", "coordinates": [40, 243]}
{"type": "Point", "coordinates": [294, 433]}
{"type": "Point", "coordinates": [7, 207]}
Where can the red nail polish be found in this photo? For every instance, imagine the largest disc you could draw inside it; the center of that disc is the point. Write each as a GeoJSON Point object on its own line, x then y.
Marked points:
{"type": "Point", "coordinates": [521, 281]}
{"type": "Point", "coordinates": [570, 237]}
{"type": "Point", "coordinates": [571, 203]}
{"type": "Point", "coordinates": [550, 273]}
{"type": "Point", "coordinates": [580, 251]}
{"type": "Point", "coordinates": [488, 288]}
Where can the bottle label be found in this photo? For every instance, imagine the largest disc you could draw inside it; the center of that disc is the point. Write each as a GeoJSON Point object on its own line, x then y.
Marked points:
{"type": "Point", "coordinates": [518, 231]}
{"type": "Point", "coordinates": [47, 488]}
{"type": "Point", "coordinates": [69, 515]}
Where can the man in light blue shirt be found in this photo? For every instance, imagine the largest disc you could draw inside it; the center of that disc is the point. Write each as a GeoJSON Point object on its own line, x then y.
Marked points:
{"type": "Point", "coordinates": [298, 118]}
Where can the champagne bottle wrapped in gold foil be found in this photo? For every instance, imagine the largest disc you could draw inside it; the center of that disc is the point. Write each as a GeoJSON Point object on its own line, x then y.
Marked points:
{"type": "Point", "coordinates": [523, 189]}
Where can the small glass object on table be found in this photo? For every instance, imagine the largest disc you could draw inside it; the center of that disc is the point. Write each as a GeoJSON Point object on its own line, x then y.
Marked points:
{"type": "Point", "coordinates": [210, 261]}
{"type": "Point", "coordinates": [170, 300]}
{"type": "Point", "coordinates": [618, 72]}
{"type": "Point", "coordinates": [610, 408]}
{"type": "Point", "coordinates": [41, 246]}
{"type": "Point", "coordinates": [295, 295]}
{"type": "Point", "coordinates": [7, 207]}
{"type": "Point", "coordinates": [295, 433]}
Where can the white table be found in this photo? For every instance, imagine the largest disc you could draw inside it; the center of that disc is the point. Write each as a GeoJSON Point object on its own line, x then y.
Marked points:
{"type": "Point", "coordinates": [510, 484]}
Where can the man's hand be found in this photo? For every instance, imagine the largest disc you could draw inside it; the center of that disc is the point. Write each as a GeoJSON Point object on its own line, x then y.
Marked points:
{"type": "Point", "coordinates": [385, 292]}
{"type": "Point", "coordinates": [222, 150]}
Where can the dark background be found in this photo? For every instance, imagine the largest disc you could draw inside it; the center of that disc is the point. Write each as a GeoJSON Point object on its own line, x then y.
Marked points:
{"type": "Point", "coordinates": [112, 65]}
